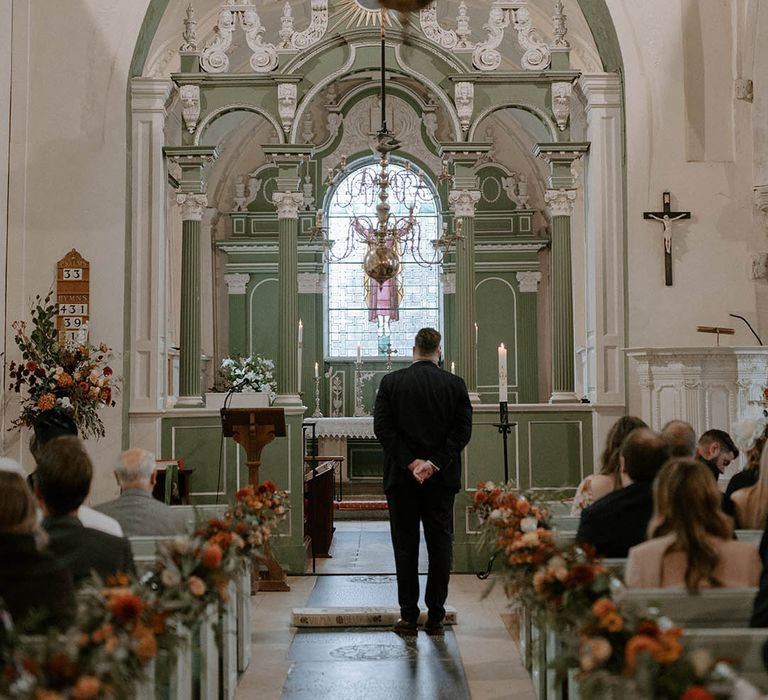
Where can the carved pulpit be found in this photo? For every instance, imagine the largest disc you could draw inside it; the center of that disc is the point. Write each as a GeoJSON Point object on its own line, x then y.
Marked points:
{"type": "Point", "coordinates": [253, 429]}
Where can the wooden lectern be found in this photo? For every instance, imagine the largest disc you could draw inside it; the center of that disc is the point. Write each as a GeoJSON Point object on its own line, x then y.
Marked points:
{"type": "Point", "coordinates": [253, 429]}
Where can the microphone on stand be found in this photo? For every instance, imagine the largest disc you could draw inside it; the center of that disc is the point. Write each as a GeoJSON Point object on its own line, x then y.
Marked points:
{"type": "Point", "coordinates": [749, 325]}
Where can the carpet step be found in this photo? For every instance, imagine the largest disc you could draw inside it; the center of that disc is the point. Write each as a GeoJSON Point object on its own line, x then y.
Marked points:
{"type": "Point", "coordinates": [357, 617]}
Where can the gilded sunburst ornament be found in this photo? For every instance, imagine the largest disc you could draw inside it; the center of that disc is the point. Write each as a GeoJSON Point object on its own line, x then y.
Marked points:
{"type": "Point", "coordinates": [363, 13]}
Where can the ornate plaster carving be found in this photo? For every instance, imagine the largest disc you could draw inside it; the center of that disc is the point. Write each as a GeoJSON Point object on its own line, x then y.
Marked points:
{"type": "Point", "coordinates": [236, 282]}
{"type": "Point", "coordinates": [559, 26]}
{"type": "Point", "coordinates": [308, 127]}
{"type": "Point", "coordinates": [464, 97]}
{"type": "Point", "coordinates": [291, 40]}
{"type": "Point", "coordinates": [360, 126]}
{"type": "Point", "coordinates": [288, 204]}
{"type": "Point", "coordinates": [560, 202]}
{"type": "Point", "coordinates": [287, 94]}
{"type": "Point", "coordinates": [528, 281]}
{"type": "Point", "coordinates": [311, 282]}
{"type": "Point", "coordinates": [561, 103]}
{"type": "Point", "coordinates": [485, 55]}
{"type": "Point", "coordinates": [308, 191]}
{"type": "Point", "coordinates": [516, 188]}
{"type": "Point", "coordinates": [190, 31]}
{"type": "Point", "coordinates": [190, 105]}
{"type": "Point", "coordinates": [463, 30]}
{"type": "Point", "coordinates": [446, 38]}
{"type": "Point", "coordinates": [537, 54]}
{"type": "Point", "coordinates": [761, 202]}
{"type": "Point", "coordinates": [192, 206]}
{"type": "Point", "coordinates": [430, 123]}
{"type": "Point", "coordinates": [463, 202]}
{"type": "Point", "coordinates": [759, 267]}
{"type": "Point", "coordinates": [214, 58]}
{"type": "Point", "coordinates": [449, 282]}
{"type": "Point", "coordinates": [240, 199]}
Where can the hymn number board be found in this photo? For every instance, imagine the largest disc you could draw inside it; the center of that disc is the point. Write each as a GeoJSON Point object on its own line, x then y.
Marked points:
{"type": "Point", "coordinates": [73, 297]}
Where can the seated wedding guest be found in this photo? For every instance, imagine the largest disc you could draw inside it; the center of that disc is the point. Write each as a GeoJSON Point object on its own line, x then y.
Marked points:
{"type": "Point", "coordinates": [52, 424]}
{"type": "Point", "coordinates": [751, 435]}
{"type": "Point", "coordinates": [62, 481]}
{"type": "Point", "coordinates": [619, 520]}
{"type": "Point", "coordinates": [689, 539]}
{"type": "Point", "coordinates": [35, 588]}
{"type": "Point", "coordinates": [135, 509]}
{"type": "Point", "coordinates": [716, 450]}
{"type": "Point", "coordinates": [750, 504]}
{"type": "Point", "coordinates": [680, 438]}
{"type": "Point", "coordinates": [595, 486]}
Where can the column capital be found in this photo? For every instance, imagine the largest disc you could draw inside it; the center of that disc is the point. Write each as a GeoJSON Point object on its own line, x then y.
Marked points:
{"type": "Point", "coordinates": [528, 281]}
{"type": "Point", "coordinates": [760, 197]}
{"type": "Point", "coordinates": [311, 282]}
{"type": "Point", "coordinates": [288, 204]}
{"type": "Point", "coordinates": [192, 206]}
{"type": "Point", "coordinates": [560, 202]}
{"type": "Point", "coordinates": [463, 202]}
{"type": "Point", "coordinates": [560, 157]}
{"type": "Point", "coordinates": [600, 90]}
{"type": "Point", "coordinates": [150, 94]}
{"type": "Point", "coordinates": [236, 282]}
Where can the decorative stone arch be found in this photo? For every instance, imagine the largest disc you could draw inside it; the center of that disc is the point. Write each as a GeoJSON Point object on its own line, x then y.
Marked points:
{"type": "Point", "coordinates": [537, 112]}
{"type": "Point", "coordinates": [210, 118]}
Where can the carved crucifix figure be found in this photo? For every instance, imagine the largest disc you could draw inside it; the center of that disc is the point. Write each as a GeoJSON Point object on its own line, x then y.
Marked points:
{"type": "Point", "coordinates": [666, 217]}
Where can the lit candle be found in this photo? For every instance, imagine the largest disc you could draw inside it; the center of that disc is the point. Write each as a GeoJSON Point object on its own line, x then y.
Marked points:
{"type": "Point", "coordinates": [299, 358]}
{"type": "Point", "coordinates": [301, 331]}
{"type": "Point", "coordinates": [317, 370]}
{"type": "Point", "coordinates": [453, 367]}
{"type": "Point", "coordinates": [475, 333]}
{"type": "Point", "coordinates": [502, 374]}
{"type": "Point", "coordinates": [359, 353]}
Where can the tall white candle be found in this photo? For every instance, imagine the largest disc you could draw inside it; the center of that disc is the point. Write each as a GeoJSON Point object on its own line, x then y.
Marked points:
{"type": "Point", "coordinates": [317, 370]}
{"type": "Point", "coordinates": [359, 353]}
{"type": "Point", "coordinates": [453, 367]}
{"type": "Point", "coordinates": [502, 373]}
{"type": "Point", "coordinates": [301, 331]}
{"type": "Point", "coordinates": [476, 334]}
{"type": "Point", "coordinates": [299, 357]}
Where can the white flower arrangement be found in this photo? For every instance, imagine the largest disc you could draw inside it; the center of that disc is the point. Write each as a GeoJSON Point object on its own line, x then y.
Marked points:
{"type": "Point", "coordinates": [749, 428]}
{"type": "Point", "coordinates": [254, 373]}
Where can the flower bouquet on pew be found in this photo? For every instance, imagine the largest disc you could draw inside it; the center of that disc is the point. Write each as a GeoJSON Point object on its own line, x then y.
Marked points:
{"type": "Point", "coordinates": [622, 653]}
{"type": "Point", "coordinates": [248, 524]}
{"type": "Point", "coordinates": [104, 655]}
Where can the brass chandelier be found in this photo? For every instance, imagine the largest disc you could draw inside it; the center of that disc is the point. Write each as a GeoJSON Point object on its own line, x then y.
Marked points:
{"type": "Point", "coordinates": [387, 237]}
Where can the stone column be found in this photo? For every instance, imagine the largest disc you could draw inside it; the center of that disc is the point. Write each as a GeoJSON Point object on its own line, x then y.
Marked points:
{"type": "Point", "coordinates": [463, 203]}
{"type": "Point", "coordinates": [237, 284]}
{"type": "Point", "coordinates": [288, 204]}
{"type": "Point", "coordinates": [605, 334]}
{"type": "Point", "coordinates": [560, 203]}
{"type": "Point", "coordinates": [190, 392]}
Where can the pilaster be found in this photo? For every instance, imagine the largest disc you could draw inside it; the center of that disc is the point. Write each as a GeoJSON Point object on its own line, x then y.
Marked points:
{"type": "Point", "coordinates": [527, 303]}
{"type": "Point", "coordinates": [237, 285]}
{"type": "Point", "coordinates": [605, 256]}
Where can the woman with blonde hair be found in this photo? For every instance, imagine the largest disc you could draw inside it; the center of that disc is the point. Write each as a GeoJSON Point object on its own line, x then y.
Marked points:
{"type": "Point", "coordinates": [750, 504]}
{"type": "Point", "coordinates": [595, 486]}
{"type": "Point", "coordinates": [689, 538]}
{"type": "Point", "coordinates": [36, 590]}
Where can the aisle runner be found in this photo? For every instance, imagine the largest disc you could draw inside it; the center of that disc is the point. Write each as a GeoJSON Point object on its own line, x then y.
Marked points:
{"type": "Point", "coordinates": [347, 663]}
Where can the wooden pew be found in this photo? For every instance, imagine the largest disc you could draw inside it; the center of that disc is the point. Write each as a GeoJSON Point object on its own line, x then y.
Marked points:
{"type": "Point", "coordinates": [749, 536]}
{"type": "Point", "coordinates": [195, 515]}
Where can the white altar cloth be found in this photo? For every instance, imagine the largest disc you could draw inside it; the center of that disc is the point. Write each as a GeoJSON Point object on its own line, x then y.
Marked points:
{"type": "Point", "coordinates": [344, 427]}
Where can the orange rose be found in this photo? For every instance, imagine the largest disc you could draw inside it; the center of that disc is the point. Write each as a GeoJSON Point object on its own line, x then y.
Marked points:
{"type": "Point", "coordinates": [86, 687]}
{"type": "Point", "coordinates": [127, 609]}
{"type": "Point", "coordinates": [613, 622]}
{"type": "Point", "coordinates": [636, 645]}
{"type": "Point", "coordinates": [671, 649]}
{"type": "Point", "coordinates": [603, 606]}
{"type": "Point", "coordinates": [212, 556]}
{"type": "Point", "coordinates": [65, 379]}
{"type": "Point", "coordinates": [46, 402]}
{"type": "Point", "coordinates": [196, 586]}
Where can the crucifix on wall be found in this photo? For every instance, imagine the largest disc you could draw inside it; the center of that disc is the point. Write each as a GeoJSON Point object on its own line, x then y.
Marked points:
{"type": "Point", "coordinates": [666, 217]}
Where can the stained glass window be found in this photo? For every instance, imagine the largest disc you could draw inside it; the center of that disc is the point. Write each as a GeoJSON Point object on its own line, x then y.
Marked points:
{"type": "Point", "coordinates": [358, 310]}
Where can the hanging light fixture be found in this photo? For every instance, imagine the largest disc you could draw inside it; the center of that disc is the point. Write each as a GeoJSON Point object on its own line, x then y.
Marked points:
{"type": "Point", "coordinates": [387, 237]}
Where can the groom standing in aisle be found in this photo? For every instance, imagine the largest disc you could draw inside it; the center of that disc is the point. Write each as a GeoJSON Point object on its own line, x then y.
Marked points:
{"type": "Point", "coordinates": [423, 420]}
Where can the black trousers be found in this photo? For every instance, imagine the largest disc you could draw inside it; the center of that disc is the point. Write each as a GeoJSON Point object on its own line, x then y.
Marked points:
{"type": "Point", "coordinates": [411, 504]}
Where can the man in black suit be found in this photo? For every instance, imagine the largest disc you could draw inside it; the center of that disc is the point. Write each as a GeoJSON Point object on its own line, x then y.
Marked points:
{"type": "Point", "coordinates": [423, 420]}
{"type": "Point", "coordinates": [717, 450]}
{"type": "Point", "coordinates": [62, 482]}
{"type": "Point", "coordinates": [619, 520]}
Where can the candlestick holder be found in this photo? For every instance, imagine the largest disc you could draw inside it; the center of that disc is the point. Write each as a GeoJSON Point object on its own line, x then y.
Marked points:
{"type": "Point", "coordinates": [318, 413]}
{"type": "Point", "coordinates": [505, 428]}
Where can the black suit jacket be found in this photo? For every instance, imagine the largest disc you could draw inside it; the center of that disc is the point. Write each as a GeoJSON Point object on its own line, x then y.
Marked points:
{"type": "Point", "coordinates": [423, 412]}
{"type": "Point", "coordinates": [83, 550]}
{"type": "Point", "coordinates": [36, 589]}
{"type": "Point", "coordinates": [760, 609]}
{"type": "Point", "coordinates": [617, 521]}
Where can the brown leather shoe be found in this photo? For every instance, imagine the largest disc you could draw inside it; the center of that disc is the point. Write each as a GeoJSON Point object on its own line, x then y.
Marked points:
{"type": "Point", "coordinates": [405, 628]}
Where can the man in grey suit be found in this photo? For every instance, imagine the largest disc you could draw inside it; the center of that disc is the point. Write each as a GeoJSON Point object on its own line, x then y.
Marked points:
{"type": "Point", "coordinates": [135, 509]}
